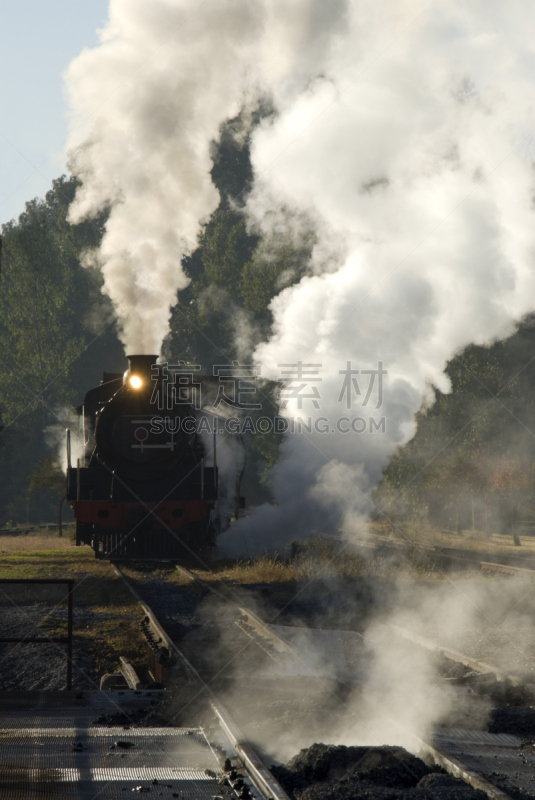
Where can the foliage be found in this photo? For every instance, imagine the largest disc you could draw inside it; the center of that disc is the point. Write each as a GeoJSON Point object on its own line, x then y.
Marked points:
{"type": "Point", "coordinates": [473, 452]}
{"type": "Point", "coordinates": [47, 475]}
{"type": "Point", "coordinates": [472, 457]}
{"type": "Point", "coordinates": [56, 336]}
{"type": "Point", "coordinates": [235, 273]}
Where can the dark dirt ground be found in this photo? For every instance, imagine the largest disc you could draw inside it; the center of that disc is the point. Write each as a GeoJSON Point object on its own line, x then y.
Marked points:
{"type": "Point", "coordinates": [35, 666]}
{"type": "Point", "coordinates": [105, 616]}
{"type": "Point", "coordinates": [43, 666]}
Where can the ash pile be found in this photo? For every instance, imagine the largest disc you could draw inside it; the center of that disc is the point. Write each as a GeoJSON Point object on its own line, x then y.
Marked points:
{"type": "Point", "coordinates": [329, 772]}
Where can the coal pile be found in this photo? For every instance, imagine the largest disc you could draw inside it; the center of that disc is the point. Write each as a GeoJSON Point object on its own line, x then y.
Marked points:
{"type": "Point", "coordinates": [329, 772]}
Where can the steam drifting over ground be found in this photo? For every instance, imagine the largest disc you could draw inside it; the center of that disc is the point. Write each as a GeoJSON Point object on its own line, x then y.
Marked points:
{"type": "Point", "coordinates": [399, 690]}
{"type": "Point", "coordinates": [402, 131]}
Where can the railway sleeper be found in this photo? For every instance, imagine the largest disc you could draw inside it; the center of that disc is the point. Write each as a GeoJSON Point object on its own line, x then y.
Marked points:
{"type": "Point", "coordinates": [262, 641]}
{"type": "Point", "coordinates": [159, 657]}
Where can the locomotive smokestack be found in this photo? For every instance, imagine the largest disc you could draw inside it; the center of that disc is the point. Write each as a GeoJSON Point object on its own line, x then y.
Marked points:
{"type": "Point", "coordinates": [139, 372]}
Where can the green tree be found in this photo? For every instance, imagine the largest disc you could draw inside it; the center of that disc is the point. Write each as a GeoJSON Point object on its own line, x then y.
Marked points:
{"type": "Point", "coordinates": [452, 466]}
{"type": "Point", "coordinates": [56, 334]}
{"type": "Point", "coordinates": [224, 312]}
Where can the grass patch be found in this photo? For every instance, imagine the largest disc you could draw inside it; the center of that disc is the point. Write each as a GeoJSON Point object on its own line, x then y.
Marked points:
{"type": "Point", "coordinates": [322, 557]}
{"type": "Point", "coordinates": [264, 569]}
{"type": "Point", "coordinates": [21, 544]}
{"type": "Point", "coordinates": [314, 557]}
{"type": "Point", "coordinates": [421, 533]}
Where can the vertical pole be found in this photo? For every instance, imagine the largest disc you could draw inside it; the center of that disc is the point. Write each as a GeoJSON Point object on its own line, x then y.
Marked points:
{"type": "Point", "coordinates": [83, 431]}
{"type": "Point", "coordinates": [202, 478]}
{"type": "Point", "coordinates": [78, 479]}
{"type": "Point", "coordinates": [215, 461]}
{"type": "Point", "coordinates": [514, 530]}
{"type": "Point", "coordinates": [60, 508]}
{"type": "Point", "coordinates": [69, 635]}
{"type": "Point", "coordinates": [68, 436]}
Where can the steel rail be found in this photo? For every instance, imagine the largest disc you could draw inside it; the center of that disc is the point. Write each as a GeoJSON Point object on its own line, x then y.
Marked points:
{"type": "Point", "coordinates": [247, 616]}
{"type": "Point", "coordinates": [520, 571]}
{"type": "Point", "coordinates": [460, 770]}
{"type": "Point", "coordinates": [262, 778]}
{"type": "Point", "coordinates": [460, 554]}
{"type": "Point", "coordinates": [481, 557]}
{"type": "Point", "coordinates": [454, 655]}
{"type": "Point", "coordinates": [263, 629]}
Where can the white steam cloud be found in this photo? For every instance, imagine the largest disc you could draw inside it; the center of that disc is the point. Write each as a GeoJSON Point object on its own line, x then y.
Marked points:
{"type": "Point", "coordinates": [403, 132]}
{"type": "Point", "coordinates": [146, 105]}
{"type": "Point", "coordinates": [412, 150]}
{"type": "Point", "coordinates": [56, 437]}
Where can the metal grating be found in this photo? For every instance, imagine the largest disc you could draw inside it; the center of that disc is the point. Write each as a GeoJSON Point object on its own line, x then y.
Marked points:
{"type": "Point", "coordinates": [500, 758]}
{"type": "Point", "coordinates": [76, 760]}
{"type": "Point", "coordinates": [468, 737]}
{"type": "Point", "coordinates": [114, 790]}
{"type": "Point", "coordinates": [120, 774]}
{"type": "Point", "coordinates": [101, 732]}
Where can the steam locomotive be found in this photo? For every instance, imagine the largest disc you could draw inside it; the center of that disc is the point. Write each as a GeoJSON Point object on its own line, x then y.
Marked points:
{"type": "Point", "coordinates": [140, 490]}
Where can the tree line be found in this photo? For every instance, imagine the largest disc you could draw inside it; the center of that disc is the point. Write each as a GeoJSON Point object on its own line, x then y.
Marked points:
{"type": "Point", "coordinates": [471, 462]}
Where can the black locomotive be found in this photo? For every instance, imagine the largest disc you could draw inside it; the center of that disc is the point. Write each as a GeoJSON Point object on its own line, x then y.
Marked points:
{"type": "Point", "coordinates": [141, 491]}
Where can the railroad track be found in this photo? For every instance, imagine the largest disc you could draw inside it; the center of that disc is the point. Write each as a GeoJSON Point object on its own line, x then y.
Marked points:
{"type": "Point", "coordinates": [254, 766]}
{"type": "Point", "coordinates": [474, 559]}
{"type": "Point", "coordinates": [54, 741]}
{"type": "Point", "coordinates": [474, 756]}
{"type": "Point", "coordinates": [499, 674]}
{"type": "Point", "coordinates": [87, 744]}
{"type": "Point", "coordinates": [274, 636]}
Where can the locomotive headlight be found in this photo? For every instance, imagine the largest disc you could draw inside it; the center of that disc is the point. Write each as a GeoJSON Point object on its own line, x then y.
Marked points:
{"type": "Point", "coordinates": [135, 382]}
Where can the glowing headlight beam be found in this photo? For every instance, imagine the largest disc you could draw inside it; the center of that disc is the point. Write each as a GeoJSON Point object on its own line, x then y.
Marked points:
{"type": "Point", "coordinates": [135, 382]}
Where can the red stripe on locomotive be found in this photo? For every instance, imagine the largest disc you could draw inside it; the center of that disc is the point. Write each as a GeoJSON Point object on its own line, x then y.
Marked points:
{"type": "Point", "coordinates": [117, 515]}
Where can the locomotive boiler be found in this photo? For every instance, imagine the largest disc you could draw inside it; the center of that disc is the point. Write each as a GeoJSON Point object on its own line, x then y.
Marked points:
{"type": "Point", "coordinates": [142, 489]}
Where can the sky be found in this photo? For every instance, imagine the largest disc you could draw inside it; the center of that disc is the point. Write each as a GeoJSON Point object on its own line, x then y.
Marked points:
{"type": "Point", "coordinates": [38, 41]}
